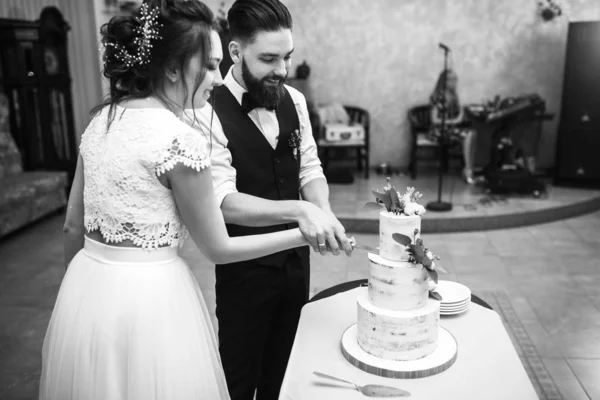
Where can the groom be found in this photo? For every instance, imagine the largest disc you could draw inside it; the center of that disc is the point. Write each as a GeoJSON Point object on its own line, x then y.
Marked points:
{"type": "Point", "coordinates": [264, 161]}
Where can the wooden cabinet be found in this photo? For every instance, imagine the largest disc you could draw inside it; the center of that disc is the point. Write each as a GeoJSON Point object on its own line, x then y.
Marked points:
{"type": "Point", "coordinates": [577, 160]}
{"type": "Point", "coordinates": [34, 74]}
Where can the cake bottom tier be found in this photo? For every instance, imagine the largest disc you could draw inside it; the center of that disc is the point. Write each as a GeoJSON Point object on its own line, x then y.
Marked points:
{"type": "Point", "coordinates": [398, 335]}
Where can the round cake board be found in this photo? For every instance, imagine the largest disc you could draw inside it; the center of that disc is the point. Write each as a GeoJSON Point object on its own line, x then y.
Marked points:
{"type": "Point", "coordinates": [440, 360]}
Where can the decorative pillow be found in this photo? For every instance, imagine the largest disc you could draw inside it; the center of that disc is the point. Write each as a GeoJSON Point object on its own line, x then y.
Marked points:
{"type": "Point", "coordinates": [10, 157]}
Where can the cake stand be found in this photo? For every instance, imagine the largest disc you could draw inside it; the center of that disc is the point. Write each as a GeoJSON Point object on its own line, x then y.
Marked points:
{"type": "Point", "coordinates": [440, 360]}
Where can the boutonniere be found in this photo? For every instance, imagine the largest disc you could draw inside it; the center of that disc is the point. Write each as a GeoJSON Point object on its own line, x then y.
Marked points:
{"type": "Point", "coordinates": [294, 142]}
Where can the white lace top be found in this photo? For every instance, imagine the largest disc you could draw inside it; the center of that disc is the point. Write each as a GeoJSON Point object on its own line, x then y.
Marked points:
{"type": "Point", "coordinates": [123, 197]}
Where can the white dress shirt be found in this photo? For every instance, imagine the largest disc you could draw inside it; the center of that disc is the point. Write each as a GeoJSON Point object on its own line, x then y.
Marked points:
{"type": "Point", "coordinates": [223, 173]}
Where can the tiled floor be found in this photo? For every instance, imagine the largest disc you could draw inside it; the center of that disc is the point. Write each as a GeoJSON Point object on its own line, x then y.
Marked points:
{"type": "Point", "coordinates": [551, 273]}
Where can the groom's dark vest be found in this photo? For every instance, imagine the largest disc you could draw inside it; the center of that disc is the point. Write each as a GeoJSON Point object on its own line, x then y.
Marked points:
{"type": "Point", "coordinates": [261, 171]}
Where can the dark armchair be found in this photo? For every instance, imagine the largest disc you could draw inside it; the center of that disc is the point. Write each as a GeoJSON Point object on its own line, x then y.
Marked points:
{"type": "Point", "coordinates": [357, 115]}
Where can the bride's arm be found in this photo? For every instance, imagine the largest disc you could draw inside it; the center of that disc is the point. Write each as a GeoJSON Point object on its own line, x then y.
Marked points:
{"type": "Point", "coordinates": [197, 204]}
{"type": "Point", "coordinates": [74, 228]}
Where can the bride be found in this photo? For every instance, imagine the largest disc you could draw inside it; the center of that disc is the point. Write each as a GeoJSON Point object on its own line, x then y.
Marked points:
{"type": "Point", "coordinates": [130, 321]}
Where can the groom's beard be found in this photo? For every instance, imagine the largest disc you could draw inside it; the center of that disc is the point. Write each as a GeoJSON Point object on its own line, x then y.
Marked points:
{"type": "Point", "coordinates": [267, 95]}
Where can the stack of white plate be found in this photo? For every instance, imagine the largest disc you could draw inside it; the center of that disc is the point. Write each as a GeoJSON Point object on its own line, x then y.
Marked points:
{"type": "Point", "coordinates": [456, 298]}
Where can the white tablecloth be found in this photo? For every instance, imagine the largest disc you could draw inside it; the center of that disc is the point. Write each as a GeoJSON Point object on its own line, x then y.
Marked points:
{"type": "Point", "coordinates": [487, 367]}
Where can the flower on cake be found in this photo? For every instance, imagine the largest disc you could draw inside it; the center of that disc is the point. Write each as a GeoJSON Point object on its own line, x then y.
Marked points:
{"type": "Point", "coordinates": [419, 254]}
{"type": "Point", "coordinates": [394, 201]}
{"type": "Point", "coordinates": [414, 209]}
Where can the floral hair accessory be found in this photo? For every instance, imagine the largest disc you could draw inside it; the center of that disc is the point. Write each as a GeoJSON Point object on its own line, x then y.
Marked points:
{"type": "Point", "coordinates": [146, 33]}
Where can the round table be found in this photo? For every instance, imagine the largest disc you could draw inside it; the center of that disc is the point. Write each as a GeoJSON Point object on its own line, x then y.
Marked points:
{"type": "Point", "coordinates": [343, 287]}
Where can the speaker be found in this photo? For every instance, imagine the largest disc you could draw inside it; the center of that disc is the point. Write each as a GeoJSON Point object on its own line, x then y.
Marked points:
{"type": "Point", "coordinates": [578, 161]}
{"type": "Point", "coordinates": [577, 158]}
{"type": "Point", "coordinates": [515, 181]}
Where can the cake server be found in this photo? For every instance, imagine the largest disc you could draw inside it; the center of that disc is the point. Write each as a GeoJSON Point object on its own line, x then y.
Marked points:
{"type": "Point", "coordinates": [370, 390]}
{"type": "Point", "coordinates": [354, 245]}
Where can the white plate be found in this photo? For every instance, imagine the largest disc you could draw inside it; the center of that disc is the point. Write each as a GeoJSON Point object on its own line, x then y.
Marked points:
{"type": "Point", "coordinates": [454, 305]}
{"type": "Point", "coordinates": [454, 309]}
{"type": "Point", "coordinates": [453, 292]}
{"type": "Point", "coordinates": [462, 303]}
{"type": "Point", "coordinates": [454, 312]}
{"type": "Point", "coordinates": [448, 303]}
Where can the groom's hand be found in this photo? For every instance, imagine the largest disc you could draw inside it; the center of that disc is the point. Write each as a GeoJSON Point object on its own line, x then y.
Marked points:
{"type": "Point", "coordinates": [342, 240]}
{"type": "Point", "coordinates": [322, 230]}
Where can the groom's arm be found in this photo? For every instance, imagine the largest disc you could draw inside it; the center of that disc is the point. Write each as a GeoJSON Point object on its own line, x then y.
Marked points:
{"type": "Point", "coordinates": [247, 210]}
{"type": "Point", "coordinates": [313, 184]}
{"type": "Point", "coordinates": [317, 192]}
{"type": "Point", "coordinates": [240, 208]}
{"type": "Point", "coordinates": [314, 217]}
{"type": "Point", "coordinates": [317, 225]}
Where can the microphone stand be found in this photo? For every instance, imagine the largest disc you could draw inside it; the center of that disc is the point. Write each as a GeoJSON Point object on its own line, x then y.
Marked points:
{"type": "Point", "coordinates": [440, 205]}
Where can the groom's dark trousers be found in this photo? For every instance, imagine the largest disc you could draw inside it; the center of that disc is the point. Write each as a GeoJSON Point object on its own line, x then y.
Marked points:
{"type": "Point", "coordinates": [259, 301]}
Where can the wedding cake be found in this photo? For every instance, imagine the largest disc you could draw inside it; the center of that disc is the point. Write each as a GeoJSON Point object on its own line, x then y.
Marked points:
{"type": "Point", "coordinates": [397, 319]}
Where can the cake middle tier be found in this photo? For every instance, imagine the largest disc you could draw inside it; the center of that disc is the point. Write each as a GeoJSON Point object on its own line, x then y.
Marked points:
{"type": "Point", "coordinates": [397, 285]}
{"type": "Point", "coordinates": [398, 335]}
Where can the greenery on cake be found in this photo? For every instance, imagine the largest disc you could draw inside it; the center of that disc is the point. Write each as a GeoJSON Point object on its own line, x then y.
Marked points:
{"type": "Point", "coordinates": [395, 202]}
{"type": "Point", "coordinates": [420, 254]}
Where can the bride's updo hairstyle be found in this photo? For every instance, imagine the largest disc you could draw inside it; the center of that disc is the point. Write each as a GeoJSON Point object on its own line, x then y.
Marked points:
{"type": "Point", "coordinates": [161, 35]}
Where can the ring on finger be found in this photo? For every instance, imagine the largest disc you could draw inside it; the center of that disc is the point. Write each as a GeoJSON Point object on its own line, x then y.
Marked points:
{"type": "Point", "coordinates": [321, 244]}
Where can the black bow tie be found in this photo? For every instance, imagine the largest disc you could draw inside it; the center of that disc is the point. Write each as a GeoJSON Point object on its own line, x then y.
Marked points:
{"type": "Point", "coordinates": [249, 104]}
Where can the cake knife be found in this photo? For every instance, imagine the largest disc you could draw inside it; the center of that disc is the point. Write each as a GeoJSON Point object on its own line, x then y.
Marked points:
{"type": "Point", "coordinates": [370, 390]}
{"type": "Point", "coordinates": [373, 250]}
{"type": "Point", "coordinates": [354, 245]}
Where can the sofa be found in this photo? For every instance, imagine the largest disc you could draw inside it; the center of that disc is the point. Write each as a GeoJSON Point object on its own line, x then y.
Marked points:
{"type": "Point", "coordinates": [25, 196]}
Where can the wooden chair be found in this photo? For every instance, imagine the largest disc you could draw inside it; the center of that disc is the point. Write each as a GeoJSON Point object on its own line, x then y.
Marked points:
{"type": "Point", "coordinates": [357, 115]}
{"type": "Point", "coordinates": [419, 118]}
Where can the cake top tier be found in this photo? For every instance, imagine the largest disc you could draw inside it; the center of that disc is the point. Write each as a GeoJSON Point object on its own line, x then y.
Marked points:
{"type": "Point", "coordinates": [397, 203]}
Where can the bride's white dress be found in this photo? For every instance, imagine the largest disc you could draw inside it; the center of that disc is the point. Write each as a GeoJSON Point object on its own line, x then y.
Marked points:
{"type": "Point", "coordinates": [131, 323]}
